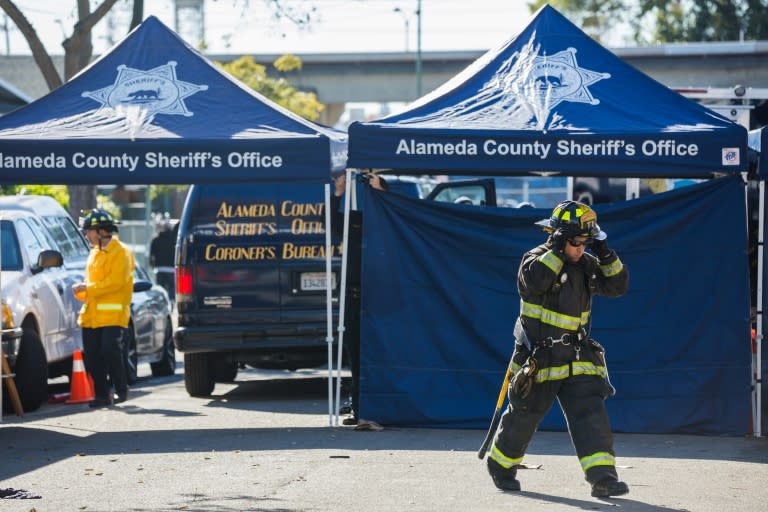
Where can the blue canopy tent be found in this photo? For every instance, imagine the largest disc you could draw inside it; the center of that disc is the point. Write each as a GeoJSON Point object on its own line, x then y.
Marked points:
{"type": "Point", "coordinates": [552, 100]}
{"type": "Point", "coordinates": [154, 110]}
{"type": "Point", "coordinates": [437, 334]}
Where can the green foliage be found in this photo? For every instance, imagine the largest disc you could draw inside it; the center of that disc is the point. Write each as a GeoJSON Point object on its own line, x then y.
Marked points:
{"type": "Point", "coordinates": [279, 90]}
{"type": "Point", "coordinates": [58, 192]}
{"type": "Point", "coordinates": [667, 21]}
{"type": "Point", "coordinates": [106, 203]}
{"type": "Point", "coordinates": [595, 17]}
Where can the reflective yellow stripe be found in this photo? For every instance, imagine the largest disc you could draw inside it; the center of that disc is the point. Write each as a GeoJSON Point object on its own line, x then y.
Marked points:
{"type": "Point", "coordinates": [549, 317]}
{"type": "Point", "coordinates": [562, 372]}
{"type": "Point", "coordinates": [109, 307]}
{"type": "Point", "coordinates": [612, 268]}
{"type": "Point", "coordinates": [503, 460]}
{"type": "Point", "coordinates": [597, 459]}
{"type": "Point", "coordinates": [551, 261]}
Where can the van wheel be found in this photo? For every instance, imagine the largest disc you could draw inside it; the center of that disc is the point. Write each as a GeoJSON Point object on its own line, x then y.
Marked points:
{"type": "Point", "coordinates": [131, 357]}
{"type": "Point", "coordinates": [198, 377]}
{"type": "Point", "coordinates": [223, 370]}
{"type": "Point", "coordinates": [31, 372]}
{"type": "Point", "coordinates": [167, 365]}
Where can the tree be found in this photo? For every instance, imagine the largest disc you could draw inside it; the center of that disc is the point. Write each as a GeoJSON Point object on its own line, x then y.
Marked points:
{"type": "Point", "coordinates": [78, 51]}
{"type": "Point", "coordinates": [595, 17]}
{"type": "Point", "coordinates": [279, 90]}
{"type": "Point", "coordinates": [668, 21]}
{"type": "Point", "coordinates": [700, 20]}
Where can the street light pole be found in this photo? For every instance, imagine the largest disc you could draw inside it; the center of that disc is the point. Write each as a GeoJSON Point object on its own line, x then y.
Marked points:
{"type": "Point", "coordinates": [407, 28]}
{"type": "Point", "coordinates": [418, 49]}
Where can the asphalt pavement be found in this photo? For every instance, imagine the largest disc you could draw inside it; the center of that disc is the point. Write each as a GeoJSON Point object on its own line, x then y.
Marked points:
{"type": "Point", "coordinates": [264, 443]}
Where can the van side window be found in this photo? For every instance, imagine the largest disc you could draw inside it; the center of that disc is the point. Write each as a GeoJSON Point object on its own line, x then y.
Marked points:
{"type": "Point", "coordinates": [10, 247]}
{"type": "Point", "coordinates": [30, 243]}
{"type": "Point", "coordinates": [66, 236]}
{"type": "Point", "coordinates": [42, 234]}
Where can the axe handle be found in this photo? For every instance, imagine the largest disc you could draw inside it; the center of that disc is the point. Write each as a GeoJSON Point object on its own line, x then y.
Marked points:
{"type": "Point", "coordinates": [496, 414]}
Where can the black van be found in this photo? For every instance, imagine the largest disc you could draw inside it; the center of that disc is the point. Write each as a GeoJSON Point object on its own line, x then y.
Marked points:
{"type": "Point", "coordinates": [250, 280]}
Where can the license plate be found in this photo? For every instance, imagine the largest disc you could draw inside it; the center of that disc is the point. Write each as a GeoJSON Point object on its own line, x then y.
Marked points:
{"type": "Point", "coordinates": [312, 281]}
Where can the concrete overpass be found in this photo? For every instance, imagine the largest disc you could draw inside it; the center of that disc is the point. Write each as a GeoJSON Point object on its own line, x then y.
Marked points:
{"type": "Point", "coordinates": [391, 77]}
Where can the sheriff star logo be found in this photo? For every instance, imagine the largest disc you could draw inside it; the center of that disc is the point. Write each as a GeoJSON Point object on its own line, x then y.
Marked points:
{"type": "Point", "coordinates": [156, 91]}
{"type": "Point", "coordinates": [552, 79]}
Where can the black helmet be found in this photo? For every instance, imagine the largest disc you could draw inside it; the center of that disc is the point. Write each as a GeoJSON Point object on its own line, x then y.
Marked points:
{"type": "Point", "coordinates": [98, 219]}
{"type": "Point", "coordinates": [573, 219]}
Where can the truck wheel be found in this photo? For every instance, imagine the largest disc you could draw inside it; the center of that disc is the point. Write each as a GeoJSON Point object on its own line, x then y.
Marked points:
{"type": "Point", "coordinates": [223, 370]}
{"type": "Point", "coordinates": [167, 365]}
{"type": "Point", "coordinates": [198, 377]}
{"type": "Point", "coordinates": [131, 357]}
{"type": "Point", "coordinates": [31, 372]}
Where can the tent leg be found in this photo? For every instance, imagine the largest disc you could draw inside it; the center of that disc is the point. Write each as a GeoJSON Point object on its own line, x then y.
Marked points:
{"type": "Point", "coordinates": [329, 300]}
{"type": "Point", "coordinates": [342, 292]}
{"type": "Point", "coordinates": [757, 378]}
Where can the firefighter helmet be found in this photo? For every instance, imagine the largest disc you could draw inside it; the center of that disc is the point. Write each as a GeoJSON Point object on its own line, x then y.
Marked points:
{"type": "Point", "coordinates": [573, 219]}
{"type": "Point", "coordinates": [98, 219]}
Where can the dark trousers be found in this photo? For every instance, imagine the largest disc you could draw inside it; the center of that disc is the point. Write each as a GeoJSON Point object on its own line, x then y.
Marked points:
{"type": "Point", "coordinates": [103, 356]}
{"type": "Point", "coordinates": [582, 399]}
{"type": "Point", "coordinates": [352, 344]}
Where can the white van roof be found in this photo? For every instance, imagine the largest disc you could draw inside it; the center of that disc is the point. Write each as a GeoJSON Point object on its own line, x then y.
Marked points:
{"type": "Point", "coordinates": [42, 205]}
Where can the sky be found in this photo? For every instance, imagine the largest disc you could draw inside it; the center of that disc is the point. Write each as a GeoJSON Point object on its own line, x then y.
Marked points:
{"type": "Point", "coordinates": [338, 26]}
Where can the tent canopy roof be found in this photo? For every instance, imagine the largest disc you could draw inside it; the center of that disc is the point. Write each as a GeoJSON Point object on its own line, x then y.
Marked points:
{"type": "Point", "coordinates": [552, 100]}
{"type": "Point", "coordinates": [154, 110]}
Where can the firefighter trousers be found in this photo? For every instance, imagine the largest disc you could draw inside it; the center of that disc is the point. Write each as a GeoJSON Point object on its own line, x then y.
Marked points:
{"type": "Point", "coordinates": [582, 400]}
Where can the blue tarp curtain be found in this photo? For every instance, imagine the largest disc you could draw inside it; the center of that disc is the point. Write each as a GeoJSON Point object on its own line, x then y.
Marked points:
{"type": "Point", "coordinates": [440, 301]}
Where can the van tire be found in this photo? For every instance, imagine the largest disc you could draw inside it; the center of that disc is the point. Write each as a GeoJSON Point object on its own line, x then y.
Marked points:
{"type": "Point", "coordinates": [223, 370]}
{"type": "Point", "coordinates": [31, 372]}
{"type": "Point", "coordinates": [167, 364]}
{"type": "Point", "coordinates": [198, 377]}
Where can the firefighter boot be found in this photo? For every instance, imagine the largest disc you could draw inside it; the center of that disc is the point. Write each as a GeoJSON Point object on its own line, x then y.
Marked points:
{"type": "Point", "coordinates": [609, 487]}
{"type": "Point", "coordinates": [503, 478]}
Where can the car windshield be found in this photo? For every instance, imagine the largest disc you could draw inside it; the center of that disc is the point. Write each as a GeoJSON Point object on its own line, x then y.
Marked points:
{"type": "Point", "coordinates": [10, 247]}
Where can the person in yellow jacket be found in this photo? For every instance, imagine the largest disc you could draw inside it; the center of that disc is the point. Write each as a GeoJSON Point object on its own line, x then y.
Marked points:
{"type": "Point", "coordinates": [104, 316]}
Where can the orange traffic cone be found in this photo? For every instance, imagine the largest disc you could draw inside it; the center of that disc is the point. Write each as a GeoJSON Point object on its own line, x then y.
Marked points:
{"type": "Point", "coordinates": [81, 389]}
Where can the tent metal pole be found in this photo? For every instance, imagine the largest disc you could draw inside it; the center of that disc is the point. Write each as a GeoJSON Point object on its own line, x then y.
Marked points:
{"type": "Point", "coordinates": [2, 380]}
{"type": "Point", "coordinates": [328, 301]}
{"type": "Point", "coordinates": [757, 378]}
{"type": "Point", "coordinates": [342, 292]}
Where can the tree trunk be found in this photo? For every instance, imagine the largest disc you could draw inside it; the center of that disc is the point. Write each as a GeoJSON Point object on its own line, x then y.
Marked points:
{"type": "Point", "coordinates": [138, 13]}
{"type": "Point", "coordinates": [78, 53]}
{"type": "Point", "coordinates": [82, 198]}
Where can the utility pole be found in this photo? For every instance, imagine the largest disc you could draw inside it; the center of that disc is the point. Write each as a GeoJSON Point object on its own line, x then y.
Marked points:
{"type": "Point", "coordinates": [7, 35]}
{"type": "Point", "coordinates": [418, 49]}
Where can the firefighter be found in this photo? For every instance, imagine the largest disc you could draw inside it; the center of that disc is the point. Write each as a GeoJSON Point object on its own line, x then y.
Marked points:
{"type": "Point", "coordinates": [104, 316]}
{"type": "Point", "coordinates": [554, 356]}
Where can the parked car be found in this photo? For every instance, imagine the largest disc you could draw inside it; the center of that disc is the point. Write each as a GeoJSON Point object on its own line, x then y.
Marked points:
{"type": "Point", "coordinates": [43, 255]}
{"type": "Point", "coordinates": [150, 332]}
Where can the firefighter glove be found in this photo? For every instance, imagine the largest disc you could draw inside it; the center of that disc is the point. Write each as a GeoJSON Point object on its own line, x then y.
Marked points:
{"type": "Point", "coordinates": [558, 242]}
{"type": "Point", "coordinates": [600, 248]}
{"type": "Point", "coordinates": [522, 382]}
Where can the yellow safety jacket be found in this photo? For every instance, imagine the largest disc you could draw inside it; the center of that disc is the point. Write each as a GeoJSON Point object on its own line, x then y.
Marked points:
{"type": "Point", "coordinates": [109, 282]}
